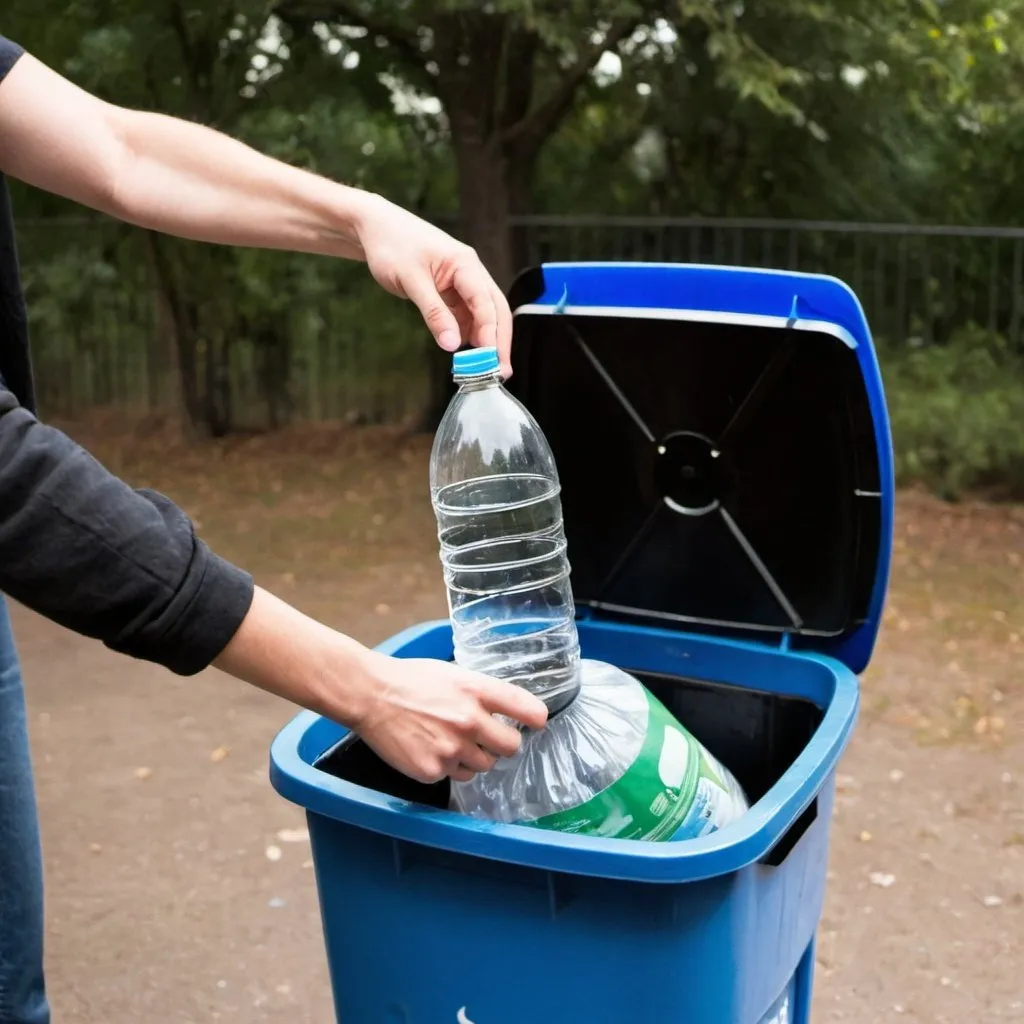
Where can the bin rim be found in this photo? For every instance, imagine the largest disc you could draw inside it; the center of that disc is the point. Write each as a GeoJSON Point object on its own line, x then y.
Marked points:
{"type": "Point", "coordinates": [737, 846]}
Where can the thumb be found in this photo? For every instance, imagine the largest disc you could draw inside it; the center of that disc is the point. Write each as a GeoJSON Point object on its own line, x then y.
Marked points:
{"type": "Point", "coordinates": [440, 320]}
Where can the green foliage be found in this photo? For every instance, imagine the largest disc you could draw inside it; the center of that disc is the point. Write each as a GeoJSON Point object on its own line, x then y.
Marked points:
{"type": "Point", "coordinates": [958, 413]}
{"type": "Point", "coordinates": [818, 109]}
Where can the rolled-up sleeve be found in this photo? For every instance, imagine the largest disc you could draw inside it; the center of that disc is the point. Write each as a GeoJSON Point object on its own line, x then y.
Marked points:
{"type": "Point", "coordinates": [9, 54]}
{"type": "Point", "coordinates": [79, 546]}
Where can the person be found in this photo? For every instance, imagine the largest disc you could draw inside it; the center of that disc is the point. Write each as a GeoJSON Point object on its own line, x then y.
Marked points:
{"type": "Point", "coordinates": [82, 548]}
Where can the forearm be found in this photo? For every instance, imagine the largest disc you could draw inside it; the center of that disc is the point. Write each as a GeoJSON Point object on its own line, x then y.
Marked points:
{"type": "Point", "coordinates": [286, 653]}
{"type": "Point", "coordinates": [166, 174]}
{"type": "Point", "coordinates": [187, 180]}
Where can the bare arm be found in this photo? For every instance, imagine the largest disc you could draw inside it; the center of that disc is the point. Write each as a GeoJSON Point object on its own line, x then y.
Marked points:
{"type": "Point", "coordinates": [183, 179]}
{"type": "Point", "coordinates": [428, 718]}
{"type": "Point", "coordinates": [166, 174]}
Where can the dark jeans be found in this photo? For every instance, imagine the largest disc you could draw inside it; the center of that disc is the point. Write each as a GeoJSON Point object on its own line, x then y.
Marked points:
{"type": "Point", "coordinates": [22, 991]}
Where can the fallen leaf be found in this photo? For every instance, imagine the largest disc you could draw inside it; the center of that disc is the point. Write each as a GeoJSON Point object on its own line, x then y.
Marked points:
{"type": "Point", "coordinates": [218, 755]}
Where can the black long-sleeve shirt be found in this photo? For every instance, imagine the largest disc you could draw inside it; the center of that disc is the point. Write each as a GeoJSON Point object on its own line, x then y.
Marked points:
{"type": "Point", "coordinates": [76, 543]}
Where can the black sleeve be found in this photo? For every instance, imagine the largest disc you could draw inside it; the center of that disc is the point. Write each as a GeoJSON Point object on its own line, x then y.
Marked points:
{"type": "Point", "coordinates": [9, 54]}
{"type": "Point", "coordinates": [82, 548]}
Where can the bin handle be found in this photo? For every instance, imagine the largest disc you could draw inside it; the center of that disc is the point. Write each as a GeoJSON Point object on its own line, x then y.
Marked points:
{"type": "Point", "coordinates": [788, 840]}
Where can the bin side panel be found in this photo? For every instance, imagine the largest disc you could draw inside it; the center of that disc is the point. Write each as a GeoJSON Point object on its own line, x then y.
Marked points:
{"type": "Point", "coordinates": [414, 935]}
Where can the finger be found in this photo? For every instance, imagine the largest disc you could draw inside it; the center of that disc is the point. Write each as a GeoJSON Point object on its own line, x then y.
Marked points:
{"type": "Point", "coordinates": [461, 774]}
{"type": "Point", "coordinates": [512, 701]}
{"type": "Point", "coordinates": [453, 301]}
{"type": "Point", "coordinates": [475, 757]}
{"type": "Point", "coordinates": [504, 333]}
{"type": "Point", "coordinates": [476, 290]}
{"type": "Point", "coordinates": [428, 774]}
{"type": "Point", "coordinates": [499, 736]}
{"type": "Point", "coordinates": [440, 320]}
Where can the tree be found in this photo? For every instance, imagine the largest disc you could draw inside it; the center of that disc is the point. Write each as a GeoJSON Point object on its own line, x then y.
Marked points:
{"type": "Point", "coordinates": [509, 74]}
{"type": "Point", "coordinates": [836, 109]}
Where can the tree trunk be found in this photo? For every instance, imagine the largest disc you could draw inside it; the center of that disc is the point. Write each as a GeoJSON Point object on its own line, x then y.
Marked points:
{"type": "Point", "coordinates": [487, 75]}
{"type": "Point", "coordinates": [519, 173]}
{"type": "Point", "coordinates": [217, 412]}
{"type": "Point", "coordinates": [204, 375]}
{"type": "Point", "coordinates": [186, 343]}
{"type": "Point", "coordinates": [274, 362]}
{"type": "Point", "coordinates": [484, 204]}
{"type": "Point", "coordinates": [183, 318]}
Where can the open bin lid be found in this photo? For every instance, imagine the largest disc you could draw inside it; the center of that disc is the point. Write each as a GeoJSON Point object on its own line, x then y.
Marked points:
{"type": "Point", "coordinates": [723, 447]}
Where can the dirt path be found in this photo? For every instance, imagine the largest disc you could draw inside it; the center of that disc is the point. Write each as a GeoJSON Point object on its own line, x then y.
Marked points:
{"type": "Point", "coordinates": [164, 906]}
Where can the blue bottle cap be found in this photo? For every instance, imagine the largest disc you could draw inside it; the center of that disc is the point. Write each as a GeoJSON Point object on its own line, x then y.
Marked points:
{"type": "Point", "coordinates": [473, 362]}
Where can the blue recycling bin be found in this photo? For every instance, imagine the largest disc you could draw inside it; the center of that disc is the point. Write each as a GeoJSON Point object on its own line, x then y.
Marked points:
{"type": "Point", "coordinates": [726, 468]}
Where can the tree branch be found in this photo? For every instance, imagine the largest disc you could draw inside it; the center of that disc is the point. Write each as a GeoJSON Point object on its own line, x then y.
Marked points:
{"type": "Point", "coordinates": [176, 15]}
{"type": "Point", "coordinates": [539, 124]}
{"type": "Point", "coordinates": [516, 76]}
{"type": "Point", "coordinates": [404, 40]}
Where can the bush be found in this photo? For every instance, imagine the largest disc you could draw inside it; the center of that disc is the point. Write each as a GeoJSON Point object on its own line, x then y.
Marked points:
{"type": "Point", "coordinates": [957, 413]}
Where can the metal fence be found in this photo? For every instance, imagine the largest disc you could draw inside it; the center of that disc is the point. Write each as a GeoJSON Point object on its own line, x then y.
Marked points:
{"type": "Point", "coordinates": [284, 337]}
{"type": "Point", "coordinates": [916, 282]}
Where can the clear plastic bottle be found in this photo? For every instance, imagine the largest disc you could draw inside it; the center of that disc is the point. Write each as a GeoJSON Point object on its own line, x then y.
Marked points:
{"type": "Point", "coordinates": [612, 761]}
{"type": "Point", "coordinates": [495, 492]}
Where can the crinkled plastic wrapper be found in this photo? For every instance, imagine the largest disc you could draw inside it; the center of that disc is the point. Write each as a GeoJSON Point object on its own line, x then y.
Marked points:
{"type": "Point", "coordinates": [615, 764]}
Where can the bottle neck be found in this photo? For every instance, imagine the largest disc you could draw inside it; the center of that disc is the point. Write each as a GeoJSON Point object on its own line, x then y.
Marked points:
{"type": "Point", "coordinates": [478, 382]}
